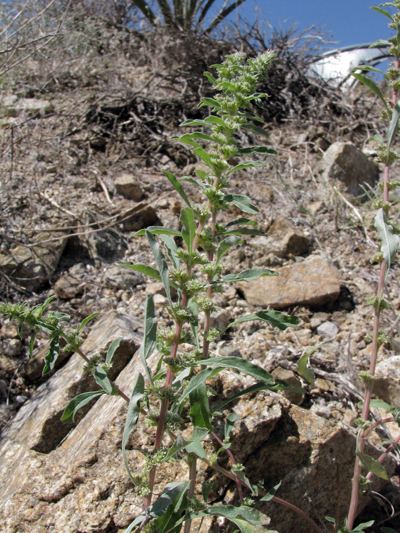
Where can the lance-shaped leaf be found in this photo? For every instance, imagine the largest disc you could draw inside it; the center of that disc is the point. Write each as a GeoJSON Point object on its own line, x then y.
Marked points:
{"type": "Point", "coordinates": [390, 242]}
{"type": "Point", "coordinates": [132, 416]}
{"type": "Point", "coordinates": [114, 345]}
{"type": "Point", "coordinates": [279, 320]}
{"type": "Point", "coordinates": [237, 363]}
{"type": "Point", "coordinates": [258, 150]}
{"type": "Point", "coordinates": [188, 227]}
{"type": "Point", "coordinates": [158, 230]}
{"type": "Point", "coordinates": [394, 122]}
{"type": "Point", "coordinates": [372, 465]}
{"type": "Point", "coordinates": [86, 321]}
{"type": "Point", "coordinates": [245, 166]}
{"type": "Point", "coordinates": [53, 353]}
{"type": "Point", "coordinates": [143, 269]}
{"type": "Point", "coordinates": [161, 264]}
{"type": "Point", "coordinates": [225, 245]}
{"type": "Point", "coordinates": [77, 403]}
{"type": "Point", "coordinates": [372, 86]}
{"type": "Point", "coordinates": [243, 202]}
{"type": "Point", "coordinates": [193, 138]}
{"type": "Point", "coordinates": [248, 390]}
{"type": "Point", "coordinates": [177, 185]}
{"type": "Point", "coordinates": [149, 334]}
{"type": "Point", "coordinates": [244, 231]}
{"type": "Point", "coordinates": [195, 382]}
{"type": "Point", "coordinates": [200, 407]}
{"type": "Point", "coordinates": [247, 275]}
{"type": "Point", "coordinates": [102, 379]}
{"type": "Point", "coordinates": [172, 249]}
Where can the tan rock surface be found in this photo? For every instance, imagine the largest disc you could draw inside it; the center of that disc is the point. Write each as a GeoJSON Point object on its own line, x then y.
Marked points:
{"type": "Point", "coordinates": [312, 282]}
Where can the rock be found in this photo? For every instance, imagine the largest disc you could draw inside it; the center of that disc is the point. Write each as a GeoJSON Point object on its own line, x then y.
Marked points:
{"type": "Point", "coordinates": [140, 216]}
{"type": "Point", "coordinates": [328, 329]}
{"type": "Point", "coordinates": [68, 287]}
{"type": "Point", "coordinates": [107, 245]}
{"type": "Point", "coordinates": [38, 425]}
{"type": "Point", "coordinates": [13, 106]}
{"type": "Point", "coordinates": [313, 282]}
{"type": "Point", "coordinates": [387, 380]}
{"type": "Point", "coordinates": [117, 277]}
{"type": "Point", "coordinates": [345, 163]}
{"type": "Point", "coordinates": [294, 391]}
{"type": "Point", "coordinates": [128, 186]}
{"type": "Point", "coordinates": [284, 239]}
{"type": "Point", "coordinates": [33, 266]}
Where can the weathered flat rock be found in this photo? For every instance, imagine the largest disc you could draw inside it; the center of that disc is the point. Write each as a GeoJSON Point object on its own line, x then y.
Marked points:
{"type": "Point", "coordinates": [33, 266]}
{"type": "Point", "coordinates": [345, 163]}
{"type": "Point", "coordinates": [37, 424]}
{"type": "Point", "coordinates": [13, 106]}
{"type": "Point", "coordinates": [313, 282]}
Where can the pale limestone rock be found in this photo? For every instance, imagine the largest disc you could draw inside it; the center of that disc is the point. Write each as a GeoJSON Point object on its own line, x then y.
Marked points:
{"type": "Point", "coordinates": [128, 186]}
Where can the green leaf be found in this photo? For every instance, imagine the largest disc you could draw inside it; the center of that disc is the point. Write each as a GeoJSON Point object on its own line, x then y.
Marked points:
{"type": "Point", "coordinates": [258, 150]}
{"type": "Point", "coordinates": [31, 344]}
{"type": "Point", "coordinates": [384, 12]}
{"type": "Point", "coordinates": [277, 319]}
{"type": "Point", "coordinates": [196, 381]}
{"type": "Point", "coordinates": [303, 368]}
{"type": "Point", "coordinates": [172, 249]}
{"type": "Point", "coordinates": [158, 230]}
{"type": "Point", "coordinates": [372, 86]}
{"type": "Point", "coordinates": [86, 320]}
{"type": "Point", "coordinates": [112, 348]}
{"type": "Point", "coordinates": [177, 185]}
{"type": "Point", "coordinates": [77, 403]}
{"type": "Point", "coordinates": [362, 527]}
{"type": "Point", "coordinates": [210, 102]}
{"type": "Point", "coordinates": [241, 221]}
{"type": "Point", "coordinates": [101, 378]}
{"type": "Point", "coordinates": [225, 245]}
{"type": "Point", "coordinates": [195, 122]}
{"type": "Point", "coordinates": [192, 138]}
{"type": "Point", "coordinates": [200, 408]}
{"type": "Point", "coordinates": [248, 275]}
{"type": "Point", "coordinates": [244, 231]}
{"type": "Point", "coordinates": [237, 363]}
{"type": "Point", "coordinates": [393, 125]}
{"type": "Point", "coordinates": [232, 513]}
{"type": "Point", "coordinates": [53, 353]}
{"type": "Point", "coordinates": [271, 493]}
{"type": "Point", "coordinates": [380, 404]}
{"type": "Point", "coordinates": [390, 242]}
{"type": "Point", "coordinates": [149, 334]}
{"type": "Point", "coordinates": [245, 165]}
{"type": "Point", "coordinates": [132, 416]}
{"type": "Point", "coordinates": [143, 269]}
{"type": "Point", "coordinates": [372, 465]}
{"type": "Point", "coordinates": [243, 202]}
{"type": "Point", "coordinates": [195, 445]}
{"type": "Point", "coordinates": [188, 227]}
{"type": "Point", "coordinates": [161, 264]}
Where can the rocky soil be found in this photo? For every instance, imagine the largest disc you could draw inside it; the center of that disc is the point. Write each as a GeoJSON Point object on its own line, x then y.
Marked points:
{"type": "Point", "coordinates": [83, 160]}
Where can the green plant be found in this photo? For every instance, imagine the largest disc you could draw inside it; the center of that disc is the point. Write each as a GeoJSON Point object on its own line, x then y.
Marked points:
{"type": "Point", "coordinates": [186, 15]}
{"type": "Point", "coordinates": [390, 243]}
{"type": "Point", "coordinates": [173, 393]}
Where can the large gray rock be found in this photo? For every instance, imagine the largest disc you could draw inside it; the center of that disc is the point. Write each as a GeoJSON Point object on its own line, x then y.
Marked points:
{"type": "Point", "coordinates": [345, 163]}
{"type": "Point", "coordinates": [38, 425]}
{"type": "Point", "coordinates": [33, 266]}
{"type": "Point", "coordinates": [313, 282]}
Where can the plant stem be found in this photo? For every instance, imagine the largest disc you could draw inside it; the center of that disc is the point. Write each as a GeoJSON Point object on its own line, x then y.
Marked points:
{"type": "Point", "coordinates": [355, 484]}
{"type": "Point", "coordinates": [233, 462]}
{"type": "Point", "coordinates": [192, 462]}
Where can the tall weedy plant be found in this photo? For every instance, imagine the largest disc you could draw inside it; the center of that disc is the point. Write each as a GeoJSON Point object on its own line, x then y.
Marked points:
{"type": "Point", "coordinates": [390, 242]}
{"type": "Point", "coordinates": [173, 393]}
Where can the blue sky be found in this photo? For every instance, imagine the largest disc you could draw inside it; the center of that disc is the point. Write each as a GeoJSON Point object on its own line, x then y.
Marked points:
{"type": "Point", "coordinates": [344, 21]}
